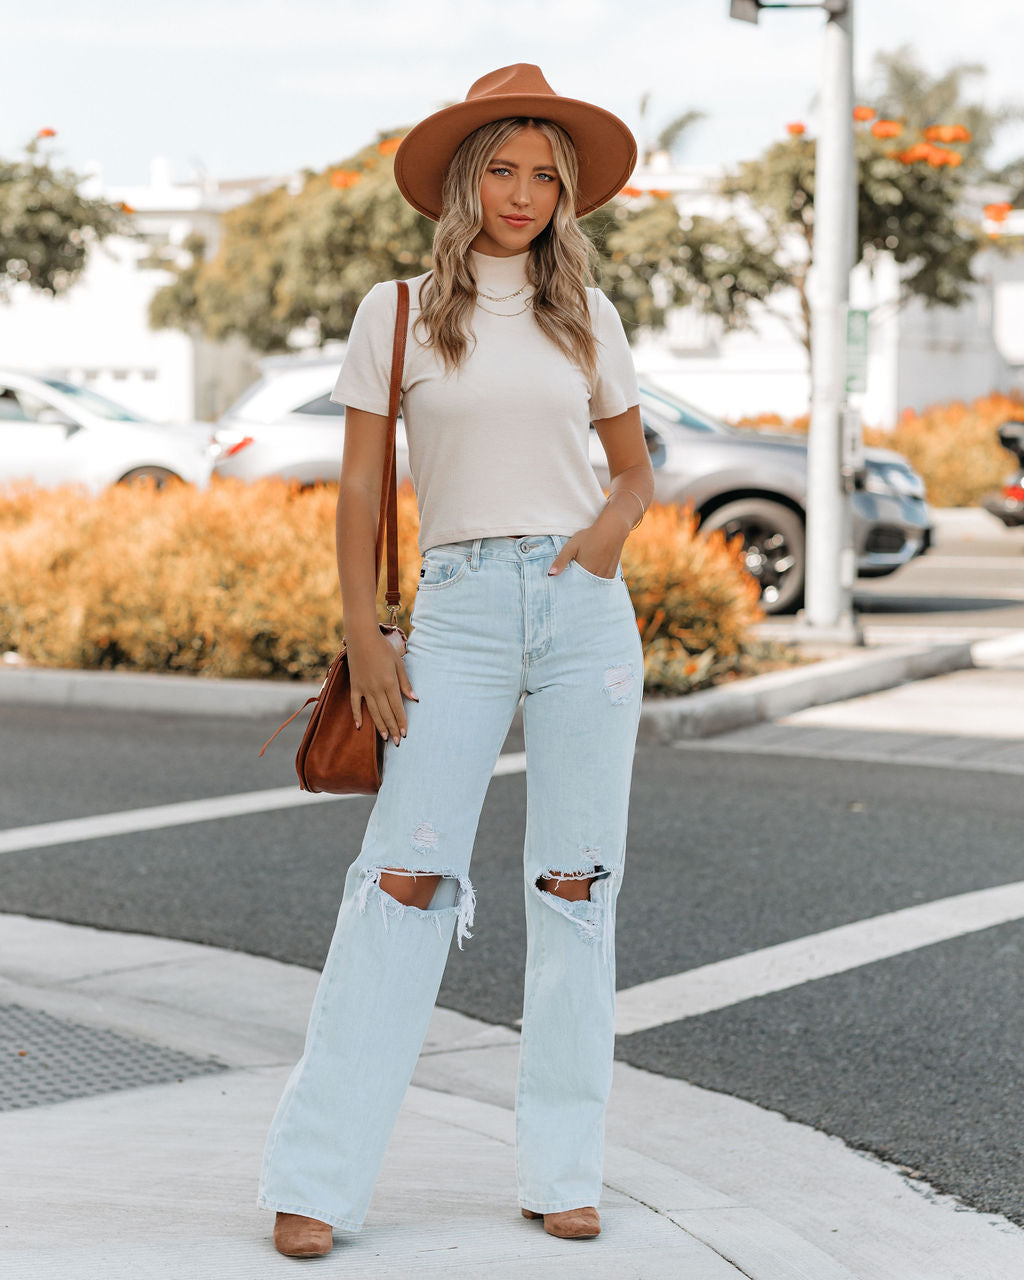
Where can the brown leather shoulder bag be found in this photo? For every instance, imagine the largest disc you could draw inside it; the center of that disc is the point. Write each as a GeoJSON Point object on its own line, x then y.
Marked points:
{"type": "Point", "coordinates": [334, 755]}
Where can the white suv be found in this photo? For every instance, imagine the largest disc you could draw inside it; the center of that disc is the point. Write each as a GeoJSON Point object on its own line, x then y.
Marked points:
{"type": "Point", "coordinates": [286, 426]}
{"type": "Point", "coordinates": [53, 432]}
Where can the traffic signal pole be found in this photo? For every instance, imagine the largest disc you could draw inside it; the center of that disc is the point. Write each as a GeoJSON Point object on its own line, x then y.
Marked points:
{"type": "Point", "coordinates": [830, 561]}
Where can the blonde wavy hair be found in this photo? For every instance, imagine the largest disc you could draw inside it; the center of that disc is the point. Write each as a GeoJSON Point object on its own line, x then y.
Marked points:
{"type": "Point", "coordinates": [560, 265]}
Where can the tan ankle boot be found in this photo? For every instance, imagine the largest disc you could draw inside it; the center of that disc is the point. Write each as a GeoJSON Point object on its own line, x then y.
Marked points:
{"type": "Point", "coordinates": [299, 1237]}
{"type": "Point", "coordinates": [570, 1224]}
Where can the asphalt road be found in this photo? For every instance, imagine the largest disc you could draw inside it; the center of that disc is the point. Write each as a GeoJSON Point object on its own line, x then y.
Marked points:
{"type": "Point", "coordinates": [916, 1058]}
{"type": "Point", "coordinates": [972, 580]}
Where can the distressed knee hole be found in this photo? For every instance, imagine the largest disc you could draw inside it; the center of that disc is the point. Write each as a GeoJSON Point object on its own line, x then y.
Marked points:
{"type": "Point", "coordinates": [411, 888]}
{"type": "Point", "coordinates": [582, 897]}
{"type": "Point", "coordinates": [440, 896]}
{"type": "Point", "coordinates": [574, 886]}
{"type": "Point", "coordinates": [618, 682]}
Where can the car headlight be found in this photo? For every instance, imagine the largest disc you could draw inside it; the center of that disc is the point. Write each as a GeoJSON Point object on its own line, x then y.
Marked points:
{"type": "Point", "coordinates": [892, 479]}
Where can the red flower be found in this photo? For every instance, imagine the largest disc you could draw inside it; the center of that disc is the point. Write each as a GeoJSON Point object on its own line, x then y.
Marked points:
{"type": "Point", "coordinates": [47, 133]}
{"type": "Point", "coordinates": [796, 129]}
{"type": "Point", "coordinates": [863, 113]}
{"type": "Point", "coordinates": [887, 128]}
{"type": "Point", "coordinates": [938, 156]}
{"type": "Point", "coordinates": [630, 192]}
{"type": "Point", "coordinates": [345, 178]}
{"type": "Point", "coordinates": [919, 151]}
{"type": "Point", "coordinates": [997, 212]}
{"type": "Point", "coordinates": [947, 133]}
{"type": "Point", "coordinates": [389, 146]}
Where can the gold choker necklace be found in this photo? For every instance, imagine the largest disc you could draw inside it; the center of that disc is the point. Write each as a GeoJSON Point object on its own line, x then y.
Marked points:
{"type": "Point", "coordinates": [508, 296]}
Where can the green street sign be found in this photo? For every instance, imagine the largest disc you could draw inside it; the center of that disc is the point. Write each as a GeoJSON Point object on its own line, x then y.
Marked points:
{"type": "Point", "coordinates": [856, 349]}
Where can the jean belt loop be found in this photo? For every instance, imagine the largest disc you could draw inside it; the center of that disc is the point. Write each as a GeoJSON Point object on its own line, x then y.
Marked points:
{"type": "Point", "coordinates": [474, 559]}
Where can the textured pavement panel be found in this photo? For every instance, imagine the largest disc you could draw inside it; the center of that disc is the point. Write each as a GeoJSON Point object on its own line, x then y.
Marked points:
{"type": "Point", "coordinates": [44, 1060]}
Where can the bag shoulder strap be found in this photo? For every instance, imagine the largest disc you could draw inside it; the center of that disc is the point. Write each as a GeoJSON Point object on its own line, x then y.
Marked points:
{"type": "Point", "coordinates": [387, 518]}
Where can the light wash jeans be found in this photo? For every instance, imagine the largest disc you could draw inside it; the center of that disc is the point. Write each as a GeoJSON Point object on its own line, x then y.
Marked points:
{"type": "Point", "coordinates": [488, 625]}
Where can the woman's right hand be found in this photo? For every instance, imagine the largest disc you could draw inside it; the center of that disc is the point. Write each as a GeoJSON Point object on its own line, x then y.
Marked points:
{"type": "Point", "coordinates": [378, 677]}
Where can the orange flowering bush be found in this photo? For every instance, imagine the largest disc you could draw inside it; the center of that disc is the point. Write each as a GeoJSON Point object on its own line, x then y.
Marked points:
{"type": "Point", "coordinates": [954, 446]}
{"type": "Point", "coordinates": [240, 580]}
{"type": "Point", "coordinates": [773, 422]}
{"type": "Point", "coordinates": [694, 601]}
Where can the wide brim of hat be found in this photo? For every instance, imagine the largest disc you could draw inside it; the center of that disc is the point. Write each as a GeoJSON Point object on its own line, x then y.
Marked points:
{"type": "Point", "coordinates": [605, 146]}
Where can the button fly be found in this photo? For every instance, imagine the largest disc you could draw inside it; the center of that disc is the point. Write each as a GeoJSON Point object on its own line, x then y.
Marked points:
{"type": "Point", "coordinates": [527, 546]}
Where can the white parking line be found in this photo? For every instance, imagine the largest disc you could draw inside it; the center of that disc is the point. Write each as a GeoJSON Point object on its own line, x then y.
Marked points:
{"type": "Point", "coordinates": [819, 955]}
{"type": "Point", "coordinates": [997, 564]}
{"type": "Point", "coordinates": [99, 825]}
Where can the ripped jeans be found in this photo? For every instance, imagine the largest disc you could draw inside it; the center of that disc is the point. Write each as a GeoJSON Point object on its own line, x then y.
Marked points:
{"type": "Point", "coordinates": [488, 626]}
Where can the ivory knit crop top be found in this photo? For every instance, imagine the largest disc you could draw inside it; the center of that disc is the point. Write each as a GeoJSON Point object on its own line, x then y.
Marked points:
{"type": "Point", "coordinates": [502, 445]}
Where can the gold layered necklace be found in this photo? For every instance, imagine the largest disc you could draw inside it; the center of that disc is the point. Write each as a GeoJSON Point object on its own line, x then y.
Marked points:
{"type": "Point", "coordinates": [506, 298]}
{"type": "Point", "coordinates": [491, 297]}
{"type": "Point", "coordinates": [529, 304]}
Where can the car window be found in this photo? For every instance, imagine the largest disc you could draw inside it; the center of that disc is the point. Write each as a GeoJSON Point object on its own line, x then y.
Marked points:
{"type": "Point", "coordinates": [20, 406]}
{"type": "Point", "coordinates": [677, 411]}
{"type": "Point", "coordinates": [234, 410]}
{"type": "Point", "coordinates": [94, 402]}
{"type": "Point", "coordinates": [654, 435]}
{"type": "Point", "coordinates": [322, 405]}
{"type": "Point", "coordinates": [11, 407]}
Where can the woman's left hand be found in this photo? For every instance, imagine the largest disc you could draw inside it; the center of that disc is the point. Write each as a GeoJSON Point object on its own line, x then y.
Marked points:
{"type": "Point", "coordinates": [596, 549]}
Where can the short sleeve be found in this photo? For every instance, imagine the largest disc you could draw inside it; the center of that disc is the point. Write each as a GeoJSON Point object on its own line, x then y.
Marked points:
{"type": "Point", "coordinates": [615, 387]}
{"type": "Point", "coordinates": [365, 378]}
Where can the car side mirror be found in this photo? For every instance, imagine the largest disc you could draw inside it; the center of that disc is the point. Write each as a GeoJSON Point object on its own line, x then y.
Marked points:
{"type": "Point", "coordinates": [1011, 437]}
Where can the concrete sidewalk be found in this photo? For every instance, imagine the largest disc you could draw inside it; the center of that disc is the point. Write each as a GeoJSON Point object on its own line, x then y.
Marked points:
{"type": "Point", "coordinates": [170, 1058]}
{"type": "Point", "coordinates": [967, 719]}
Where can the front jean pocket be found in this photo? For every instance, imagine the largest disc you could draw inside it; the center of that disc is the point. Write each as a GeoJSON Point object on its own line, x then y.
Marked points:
{"type": "Point", "coordinates": [441, 569]}
{"type": "Point", "coordinates": [595, 577]}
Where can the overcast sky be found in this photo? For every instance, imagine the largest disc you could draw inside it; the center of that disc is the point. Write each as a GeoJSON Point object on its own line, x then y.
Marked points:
{"type": "Point", "coordinates": [245, 89]}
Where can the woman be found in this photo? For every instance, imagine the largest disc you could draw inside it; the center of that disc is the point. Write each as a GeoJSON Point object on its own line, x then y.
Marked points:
{"type": "Point", "coordinates": [510, 357]}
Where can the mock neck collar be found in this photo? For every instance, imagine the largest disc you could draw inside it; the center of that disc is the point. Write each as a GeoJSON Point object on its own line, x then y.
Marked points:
{"type": "Point", "coordinates": [499, 275]}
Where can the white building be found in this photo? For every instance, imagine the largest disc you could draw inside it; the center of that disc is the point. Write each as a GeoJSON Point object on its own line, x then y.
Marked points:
{"type": "Point", "coordinates": [98, 333]}
{"type": "Point", "coordinates": [917, 356]}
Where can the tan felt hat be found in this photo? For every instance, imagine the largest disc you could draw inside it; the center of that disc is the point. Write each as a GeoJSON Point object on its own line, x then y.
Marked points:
{"type": "Point", "coordinates": [605, 146]}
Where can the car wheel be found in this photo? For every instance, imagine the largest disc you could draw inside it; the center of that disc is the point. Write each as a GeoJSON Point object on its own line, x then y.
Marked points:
{"type": "Point", "coordinates": [159, 475]}
{"type": "Point", "coordinates": [773, 545]}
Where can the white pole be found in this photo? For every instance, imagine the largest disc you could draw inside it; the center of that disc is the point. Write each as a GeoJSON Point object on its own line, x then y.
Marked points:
{"type": "Point", "coordinates": [829, 574]}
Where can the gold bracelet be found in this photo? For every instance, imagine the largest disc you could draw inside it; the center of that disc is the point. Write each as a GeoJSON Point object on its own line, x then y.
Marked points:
{"type": "Point", "coordinates": [643, 509]}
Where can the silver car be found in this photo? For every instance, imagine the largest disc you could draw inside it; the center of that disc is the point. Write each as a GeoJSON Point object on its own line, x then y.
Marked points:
{"type": "Point", "coordinates": [745, 482]}
{"type": "Point", "coordinates": [53, 432]}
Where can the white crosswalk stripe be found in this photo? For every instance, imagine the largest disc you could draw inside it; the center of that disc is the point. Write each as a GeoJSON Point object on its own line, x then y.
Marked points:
{"type": "Point", "coordinates": [99, 825]}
